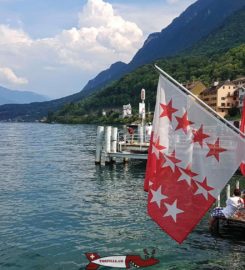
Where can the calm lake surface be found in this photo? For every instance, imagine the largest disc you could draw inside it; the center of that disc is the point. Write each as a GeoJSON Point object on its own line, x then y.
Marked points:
{"type": "Point", "coordinates": [56, 205]}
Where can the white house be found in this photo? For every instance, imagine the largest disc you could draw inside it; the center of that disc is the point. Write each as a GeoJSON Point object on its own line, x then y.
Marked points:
{"type": "Point", "coordinates": [127, 110]}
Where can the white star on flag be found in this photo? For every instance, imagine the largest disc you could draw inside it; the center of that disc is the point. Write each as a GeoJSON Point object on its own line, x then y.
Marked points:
{"type": "Point", "coordinates": [157, 147]}
{"type": "Point", "coordinates": [155, 151]}
{"type": "Point", "coordinates": [157, 196]}
{"type": "Point", "coordinates": [185, 177]}
{"type": "Point", "coordinates": [203, 188]}
{"type": "Point", "coordinates": [172, 211]}
{"type": "Point", "coordinates": [220, 152]}
{"type": "Point", "coordinates": [92, 256]}
{"type": "Point", "coordinates": [168, 163]}
{"type": "Point", "coordinates": [202, 191]}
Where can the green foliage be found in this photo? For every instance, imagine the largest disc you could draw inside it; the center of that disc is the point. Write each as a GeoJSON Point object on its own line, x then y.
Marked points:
{"type": "Point", "coordinates": [207, 69]}
{"type": "Point", "coordinates": [228, 35]}
{"type": "Point", "coordinates": [233, 112]}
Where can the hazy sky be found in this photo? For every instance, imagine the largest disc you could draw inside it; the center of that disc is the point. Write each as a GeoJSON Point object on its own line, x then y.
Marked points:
{"type": "Point", "coordinates": [53, 47]}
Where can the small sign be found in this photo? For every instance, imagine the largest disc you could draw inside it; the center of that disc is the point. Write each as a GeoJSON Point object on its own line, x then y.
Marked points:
{"type": "Point", "coordinates": [142, 94]}
{"type": "Point", "coordinates": [128, 261]}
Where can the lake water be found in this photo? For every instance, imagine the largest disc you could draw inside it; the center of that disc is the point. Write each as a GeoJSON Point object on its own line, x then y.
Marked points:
{"type": "Point", "coordinates": [56, 205]}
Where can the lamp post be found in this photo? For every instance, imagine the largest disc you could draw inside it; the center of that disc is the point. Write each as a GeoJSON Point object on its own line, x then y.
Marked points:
{"type": "Point", "coordinates": [142, 95]}
{"type": "Point", "coordinates": [142, 114]}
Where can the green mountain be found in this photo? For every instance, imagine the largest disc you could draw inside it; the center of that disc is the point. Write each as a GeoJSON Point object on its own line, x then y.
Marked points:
{"type": "Point", "coordinates": [219, 66]}
{"type": "Point", "coordinates": [230, 34]}
{"type": "Point", "coordinates": [218, 56]}
{"type": "Point", "coordinates": [221, 24]}
{"type": "Point", "coordinates": [9, 96]}
{"type": "Point", "coordinates": [195, 23]}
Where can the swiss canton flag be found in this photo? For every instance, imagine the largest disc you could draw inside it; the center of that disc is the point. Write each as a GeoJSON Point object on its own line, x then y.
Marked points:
{"type": "Point", "coordinates": [242, 128]}
{"type": "Point", "coordinates": [192, 155]}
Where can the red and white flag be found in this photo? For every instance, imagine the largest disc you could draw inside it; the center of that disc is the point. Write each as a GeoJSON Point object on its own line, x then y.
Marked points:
{"type": "Point", "coordinates": [242, 128]}
{"type": "Point", "coordinates": [192, 155]}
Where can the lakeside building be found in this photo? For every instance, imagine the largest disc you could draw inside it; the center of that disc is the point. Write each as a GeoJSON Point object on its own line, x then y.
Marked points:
{"type": "Point", "coordinates": [239, 81]}
{"type": "Point", "coordinates": [221, 97]}
{"type": "Point", "coordinates": [127, 111]}
{"type": "Point", "coordinates": [241, 96]}
{"type": "Point", "coordinates": [195, 87]}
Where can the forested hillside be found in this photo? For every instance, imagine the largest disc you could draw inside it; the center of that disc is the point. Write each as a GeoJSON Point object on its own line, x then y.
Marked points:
{"type": "Point", "coordinates": [210, 58]}
{"type": "Point", "coordinates": [197, 22]}
{"type": "Point", "coordinates": [230, 34]}
{"type": "Point", "coordinates": [207, 69]}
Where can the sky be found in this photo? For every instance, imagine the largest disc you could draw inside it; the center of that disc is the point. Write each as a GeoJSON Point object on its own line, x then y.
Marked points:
{"type": "Point", "coordinates": [54, 47]}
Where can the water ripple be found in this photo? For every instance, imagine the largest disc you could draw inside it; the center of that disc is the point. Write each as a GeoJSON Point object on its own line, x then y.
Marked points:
{"type": "Point", "coordinates": [55, 205]}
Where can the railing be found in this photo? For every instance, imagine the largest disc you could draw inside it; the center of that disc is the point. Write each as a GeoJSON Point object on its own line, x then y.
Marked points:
{"type": "Point", "coordinates": [133, 138]}
{"type": "Point", "coordinates": [109, 142]}
{"type": "Point", "coordinates": [227, 192]}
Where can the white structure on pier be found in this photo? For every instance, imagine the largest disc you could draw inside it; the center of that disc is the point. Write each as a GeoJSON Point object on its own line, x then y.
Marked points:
{"type": "Point", "coordinates": [127, 111]}
{"type": "Point", "coordinates": [111, 144]}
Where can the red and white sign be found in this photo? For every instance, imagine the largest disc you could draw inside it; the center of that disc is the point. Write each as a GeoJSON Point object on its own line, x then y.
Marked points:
{"type": "Point", "coordinates": [95, 261]}
{"type": "Point", "coordinates": [192, 155]}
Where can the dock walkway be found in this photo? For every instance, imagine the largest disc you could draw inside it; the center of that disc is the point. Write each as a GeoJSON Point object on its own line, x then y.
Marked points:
{"type": "Point", "coordinates": [112, 145]}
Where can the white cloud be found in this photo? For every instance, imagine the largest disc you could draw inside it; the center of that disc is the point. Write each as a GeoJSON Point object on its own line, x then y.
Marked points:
{"type": "Point", "coordinates": [101, 38]}
{"type": "Point", "coordinates": [12, 36]}
{"type": "Point", "coordinates": [8, 76]}
{"type": "Point", "coordinates": [61, 64]}
{"type": "Point", "coordinates": [95, 13]}
{"type": "Point", "coordinates": [100, 32]}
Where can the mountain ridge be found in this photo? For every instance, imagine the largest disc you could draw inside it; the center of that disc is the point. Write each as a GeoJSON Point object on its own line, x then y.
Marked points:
{"type": "Point", "coordinates": [175, 37]}
{"type": "Point", "coordinates": [38, 110]}
{"type": "Point", "coordinates": [230, 34]}
{"type": "Point", "coordinates": [188, 68]}
{"type": "Point", "coordinates": [9, 96]}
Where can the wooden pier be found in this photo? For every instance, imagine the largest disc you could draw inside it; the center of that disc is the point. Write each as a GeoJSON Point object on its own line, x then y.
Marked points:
{"type": "Point", "coordinates": [112, 145]}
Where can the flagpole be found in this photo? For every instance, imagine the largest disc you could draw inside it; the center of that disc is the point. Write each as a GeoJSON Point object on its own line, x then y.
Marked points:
{"type": "Point", "coordinates": [166, 75]}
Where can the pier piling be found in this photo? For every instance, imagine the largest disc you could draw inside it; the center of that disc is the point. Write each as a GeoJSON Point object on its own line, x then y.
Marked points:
{"type": "Point", "coordinates": [114, 142]}
{"type": "Point", "coordinates": [141, 134]}
{"type": "Point", "coordinates": [228, 191]}
{"type": "Point", "coordinates": [218, 201]}
{"type": "Point", "coordinates": [99, 140]}
{"type": "Point", "coordinates": [108, 159]}
{"type": "Point", "coordinates": [237, 184]}
{"type": "Point", "coordinates": [112, 145]}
